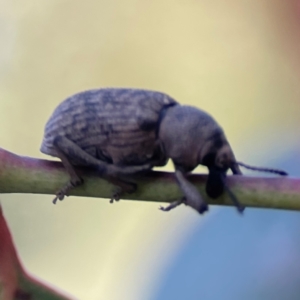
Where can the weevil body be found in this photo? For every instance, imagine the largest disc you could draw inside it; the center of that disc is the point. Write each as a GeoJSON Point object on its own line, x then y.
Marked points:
{"type": "Point", "coordinates": [126, 131]}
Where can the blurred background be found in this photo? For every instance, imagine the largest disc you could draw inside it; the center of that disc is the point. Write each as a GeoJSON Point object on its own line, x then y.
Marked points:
{"type": "Point", "coordinates": [238, 60]}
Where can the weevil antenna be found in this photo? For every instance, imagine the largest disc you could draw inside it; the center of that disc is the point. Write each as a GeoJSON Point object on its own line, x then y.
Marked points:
{"type": "Point", "coordinates": [269, 170]}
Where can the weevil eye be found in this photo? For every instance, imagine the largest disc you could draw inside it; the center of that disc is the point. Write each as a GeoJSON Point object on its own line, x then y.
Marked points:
{"type": "Point", "coordinates": [222, 160]}
{"type": "Point", "coordinates": [224, 157]}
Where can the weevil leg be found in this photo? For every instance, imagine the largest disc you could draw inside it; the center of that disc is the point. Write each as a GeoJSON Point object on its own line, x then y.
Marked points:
{"type": "Point", "coordinates": [60, 195]}
{"type": "Point", "coordinates": [72, 150]}
{"type": "Point", "coordinates": [75, 180]}
{"type": "Point", "coordinates": [234, 200]}
{"type": "Point", "coordinates": [173, 204]}
{"type": "Point", "coordinates": [231, 195]}
{"type": "Point", "coordinates": [192, 197]}
{"type": "Point", "coordinates": [123, 186]}
{"type": "Point", "coordinates": [67, 149]}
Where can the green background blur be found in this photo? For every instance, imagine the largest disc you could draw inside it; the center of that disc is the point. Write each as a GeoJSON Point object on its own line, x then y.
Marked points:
{"type": "Point", "coordinates": [236, 59]}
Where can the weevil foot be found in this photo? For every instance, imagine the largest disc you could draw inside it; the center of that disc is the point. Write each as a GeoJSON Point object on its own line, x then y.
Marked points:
{"type": "Point", "coordinates": [122, 187]}
{"type": "Point", "coordinates": [240, 209]}
{"type": "Point", "coordinates": [172, 205]}
{"type": "Point", "coordinates": [60, 195]}
{"type": "Point", "coordinates": [116, 196]}
{"type": "Point", "coordinates": [203, 208]}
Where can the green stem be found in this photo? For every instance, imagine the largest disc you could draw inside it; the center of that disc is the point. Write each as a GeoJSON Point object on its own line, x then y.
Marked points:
{"type": "Point", "coordinates": [29, 175]}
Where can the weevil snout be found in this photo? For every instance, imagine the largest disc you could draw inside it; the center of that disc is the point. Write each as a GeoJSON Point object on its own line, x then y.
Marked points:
{"type": "Point", "coordinates": [215, 182]}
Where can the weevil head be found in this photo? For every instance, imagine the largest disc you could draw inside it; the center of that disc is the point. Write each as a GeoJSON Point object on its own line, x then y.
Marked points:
{"type": "Point", "coordinates": [190, 137]}
{"type": "Point", "coordinates": [183, 132]}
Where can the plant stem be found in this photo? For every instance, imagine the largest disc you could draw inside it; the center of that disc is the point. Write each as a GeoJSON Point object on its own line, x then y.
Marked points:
{"type": "Point", "coordinates": [20, 174]}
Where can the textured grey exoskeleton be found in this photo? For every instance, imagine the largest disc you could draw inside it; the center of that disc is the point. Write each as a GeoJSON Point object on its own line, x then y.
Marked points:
{"type": "Point", "coordinates": [127, 131]}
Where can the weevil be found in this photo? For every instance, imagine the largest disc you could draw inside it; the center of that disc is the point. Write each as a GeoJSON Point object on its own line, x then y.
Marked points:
{"type": "Point", "coordinates": [119, 132]}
